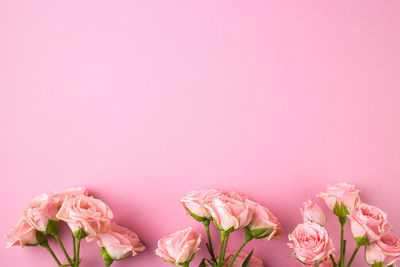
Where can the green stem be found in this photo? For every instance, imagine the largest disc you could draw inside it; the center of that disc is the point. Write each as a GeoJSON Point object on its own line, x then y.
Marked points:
{"type": "Point", "coordinates": [342, 221]}
{"type": "Point", "coordinates": [74, 245]}
{"type": "Point", "coordinates": [246, 240]}
{"type": "Point", "coordinates": [46, 245]}
{"type": "Point", "coordinates": [222, 248]}
{"type": "Point", "coordinates": [63, 249]}
{"type": "Point", "coordinates": [78, 248]}
{"type": "Point", "coordinates": [333, 261]}
{"type": "Point", "coordinates": [316, 265]}
{"type": "Point", "coordinates": [211, 249]}
{"type": "Point", "coordinates": [354, 255]}
{"type": "Point", "coordinates": [108, 263]}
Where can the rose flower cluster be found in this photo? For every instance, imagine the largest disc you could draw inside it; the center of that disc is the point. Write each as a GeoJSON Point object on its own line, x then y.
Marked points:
{"type": "Point", "coordinates": [370, 227]}
{"type": "Point", "coordinates": [86, 216]}
{"type": "Point", "coordinates": [229, 212]}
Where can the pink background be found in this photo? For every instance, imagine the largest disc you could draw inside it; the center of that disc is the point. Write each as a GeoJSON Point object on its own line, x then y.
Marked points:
{"type": "Point", "coordinates": [142, 101]}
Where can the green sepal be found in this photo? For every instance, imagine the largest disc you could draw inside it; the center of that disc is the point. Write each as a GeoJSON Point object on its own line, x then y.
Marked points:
{"type": "Point", "coordinates": [40, 237]}
{"type": "Point", "coordinates": [79, 234]}
{"type": "Point", "coordinates": [106, 257]}
{"type": "Point", "coordinates": [340, 210]}
{"type": "Point", "coordinates": [362, 240]}
{"type": "Point", "coordinates": [377, 264]}
{"type": "Point", "coordinates": [52, 227]}
{"type": "Point", "coordinates": [197, 217]}
{"type": "Point", "coordinates": [186, 263]}
{"type": "Point", "coordinates": [260, 233]}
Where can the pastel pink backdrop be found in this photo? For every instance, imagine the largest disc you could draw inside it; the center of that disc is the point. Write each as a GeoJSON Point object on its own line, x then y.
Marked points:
{"type": "Point", "coordinates": [142, 101]}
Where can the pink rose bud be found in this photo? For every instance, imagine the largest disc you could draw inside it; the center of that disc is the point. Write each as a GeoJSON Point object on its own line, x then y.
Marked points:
{"type": "Point", "coordinates": [313, 213]}
{"type": "Point", "coordinates": [118, 241]}
{"type": "Point", "coordinates": [21, 234]}
{"type": "Point", "coordinates": [195, 202]}
{"type": "Point", "coordinates": [385, 251]}
{"type": "Point", "coordinates": [263, 225]}
{"type": "Point", "coordinates": [342, 196]}
{"type": "Point", "coordinates": [86, 213]}
{"type": "Point", "coordinates": [311, 243]}
{"type": "Point", "coordinates": [229, 214]}
{"type": "Point", "coordinates": [39, 211]}
{"type": "Point", "coordinates": [180, 247]}
{"type": "Point", "coordinates": [368, 221]}
{"type": "Point", "coordinates": [254, 261]}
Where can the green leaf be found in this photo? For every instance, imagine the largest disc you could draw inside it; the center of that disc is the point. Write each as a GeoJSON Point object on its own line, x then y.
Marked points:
{"type": "Point", "coordinates": [52, 227]}
{"type": "Point", "coordinates": [203, 263]}
{"type": "Point", "coordinates": [247, 260]}
{"type": "Point", "coordinates": [79, 234]}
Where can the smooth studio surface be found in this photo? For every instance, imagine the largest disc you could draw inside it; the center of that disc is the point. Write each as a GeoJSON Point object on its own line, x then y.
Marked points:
{"type": "Point", "coordinates": [143, 101]}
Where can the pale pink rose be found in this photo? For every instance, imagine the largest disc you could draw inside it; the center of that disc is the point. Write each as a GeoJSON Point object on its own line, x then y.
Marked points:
{"type": "Point", "coordinates": [196, 201]}
{"type": "Point", "coordinates": [119, 241]}
{"type": "Point", "coordinates": [228, 213]}
{"type": "Point", "coordinates": [326, 263]}
{"type": "Point", "coordinates": [385, 251]}
{"type": "Point", "coordinates": [341, 193]}
{"type": "Point", "coordinates": [237, 196]}
{"type": "Point", "coordinates": [313, 213]}
{"type": "Point", "coordinates": [370, 221]}
{"type": "Point", "coordinates": [311, 243]}
{"type": "Point", "coordinates": [262, 218]}
{"type": "Point", "coordinates": [39, 211]}
{"type": "Point", "coordinates": [21, 234]}
{"type": "Point", "coordinates": [254, 261]}
{"type": "Point", "coordinates": [178, 248]}
{"type": "Point", "coordinates": [88, 213]}
{"type": "Point", "coordinates": [59, 196]}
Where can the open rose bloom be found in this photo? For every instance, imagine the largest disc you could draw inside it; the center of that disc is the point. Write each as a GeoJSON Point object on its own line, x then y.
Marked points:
{"type": "Point", "coordinates": [229, 214]}
{"type": "Point", "coordinates": [180, 247]}
{"type": "Point", "coordinates": [369, 221]}
{"type": "Point", "coordinates": [195, 202]}
{"type": "Point", "coordinates": [21, 234]}
{"type": "Point", "coordinates": [119, 242]}
{"type": "Point", "coordinates": [385, 251]}
{"type": "Point", "coordinates": [311, 243]}
{"type": "Point", "coordinates": [86, 213]}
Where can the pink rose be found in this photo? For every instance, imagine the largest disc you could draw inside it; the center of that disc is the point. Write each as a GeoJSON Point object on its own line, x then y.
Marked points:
{"type": "Point", "coordinates": [59, 196]}
{"type": "Point", "coordinates": [254, 261]}
{"type": "Point", "coordinates": [39, 211]}
{"type": "Point", "coordinates": [385, 251]}
{"type": "Point", "coordinates": [341, 193]}
{"type": "Point", "coordinates": [119, 242]}
{"type": "Point", "coordinates": [195, 202]}
{"type": "Point", "coordinates": [21, 234]}
{"type": "Point", "coordinates": [229, 214]}
{"type": "Point", "coordinates": [370, 221]}
{"type": "Point", "coordinates": [179, 248]}
{"type": "Point", "coordinates": [86, 213]}
{"type": "Point", "coordinates": [262, 218]}
{"type": "Point", "coordinates": [313, 213]}
{"type": "Point", "coordinates": [311, 243]}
